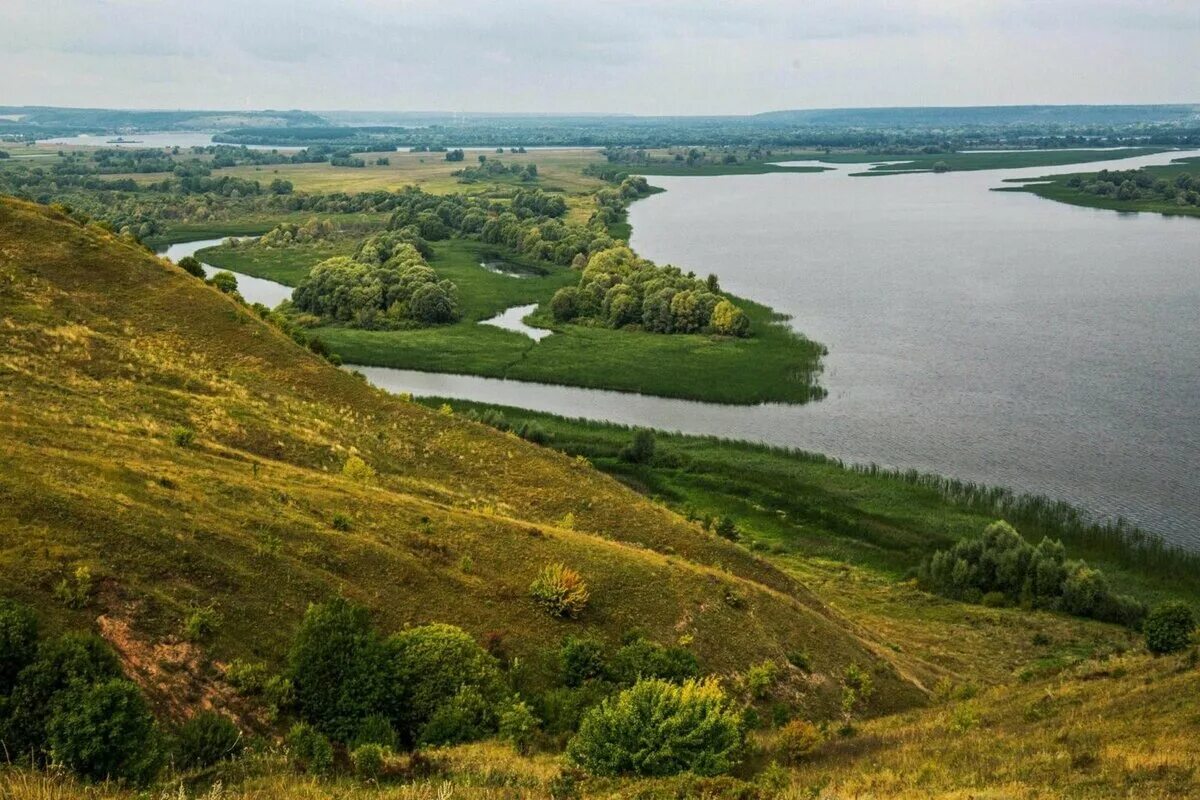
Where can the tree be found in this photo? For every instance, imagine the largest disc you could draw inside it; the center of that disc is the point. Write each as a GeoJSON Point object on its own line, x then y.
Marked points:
{"type": "Point", "coordinates": [657, 728]}
{"type": "Point", "coordinates": [18, 642]}
{"type": "Point", "coordinates": [564, 305]}
{"type": "Point", "coordinates": [105, 731]}
{"type": "Point", "coordinates": [191, 266]}
{"type": "Point", "coordinates": [337, 668]}
{"type": "Point", "coordinates": [641, 449]}
{"type": "Point", "coordinates": [1169, 627]}
{"type": "Point", "coordinates": [434, 303]}
{"type": "Point", "coordinates": [225, 281]}
{"type": "Point", "coordinates": [729, 320]}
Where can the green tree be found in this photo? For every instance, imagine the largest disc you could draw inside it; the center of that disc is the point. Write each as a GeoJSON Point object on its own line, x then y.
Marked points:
{"type": "Point", "coordinates": [104, 731]}
{"type": "Point", "coordinates": [18, 642]}
{"type": "Point", "coordinates": [1169, 627]}
{"type": "Point", "coordinates": [191, 266]}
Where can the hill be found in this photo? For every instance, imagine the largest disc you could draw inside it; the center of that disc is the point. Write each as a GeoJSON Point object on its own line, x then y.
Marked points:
{"type": "Point", "coordinates": [190, 455]}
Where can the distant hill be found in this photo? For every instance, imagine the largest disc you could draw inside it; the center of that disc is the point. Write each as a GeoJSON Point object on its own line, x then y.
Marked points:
{"type": "Point", "coordinates": [958, 116]}
{"type": "Point", "coordinates": [107, 353]}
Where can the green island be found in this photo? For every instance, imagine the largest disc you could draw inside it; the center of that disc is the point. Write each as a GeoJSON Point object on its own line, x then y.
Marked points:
{"type": "Point", "coordinates": [1170, 189]}
{"type": "Point", "coordinates": [231, 569]}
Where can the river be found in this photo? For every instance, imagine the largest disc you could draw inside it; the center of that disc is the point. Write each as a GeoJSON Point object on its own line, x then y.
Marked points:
{"type": "Point", "coordinates": [989, 336]}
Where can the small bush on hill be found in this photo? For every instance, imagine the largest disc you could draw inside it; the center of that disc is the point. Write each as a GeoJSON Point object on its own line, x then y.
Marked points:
{"type": "Point", "coordinates": [657, 728]}
{"type": "Point", "coordinates": [206, 739]}
{"type": "Point", "coordinates": [368, 761]}
{"type": "Point", "coordinates": [465, 717]}
{"type": "Point", "coordinates": [191, 266]}
{"type": "Point", "coordinates": [641, 449]}
{"type": "Point", "coordinates": [581, 659]}
{"type": "Point", "coordinates": [518, 724]}
{"type": "Point", "coordinates": [1169, 627]}
{"type": "Point", "coordinates": [642, 658]}
{"type": "Point", "coordinates": [560, 590]}
{"type": "Point", "coordinates": [798, 739]}
{"type": "Point", "coordinates": [358, 470]}
{"type": "Point", "coordinates": [376, 729]}
{"type": "Point", "coordinates": [225, 281]}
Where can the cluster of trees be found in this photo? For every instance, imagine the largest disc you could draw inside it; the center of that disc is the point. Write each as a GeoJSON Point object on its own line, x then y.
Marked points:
{"type": "Point", "coordinates": [640, 710]}
{"type": "Point", "coordinates": [617, 288]}
{"type": "Point", "coordinates": [387, 284]}
{"type": "Point", "coordinates": [495, 168]}
{"type": "Point", "coordinates": [1002, 568]}
{"type": "Point", "coordinates": [1139, 184]}
{"type": "Point", "coordinates": [66, 701]}
{"type": "Point", "coordinates": [287, 233]}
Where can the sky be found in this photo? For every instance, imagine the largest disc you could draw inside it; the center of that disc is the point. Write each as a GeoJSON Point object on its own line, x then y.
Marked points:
{"type": "Point", "coordinates": [616, 56]}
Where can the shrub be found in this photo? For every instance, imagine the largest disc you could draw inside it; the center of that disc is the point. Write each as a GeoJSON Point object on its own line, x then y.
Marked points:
{"type": "Point", "coordinates": [18, 642]}
{"type": "Point", "coordinates": [642, 658]}
{"type": "Point", "coordinates": [104, 731]}
{"type": "Point", "coordinates": [76, 591]}
{"type": "Point", "coordinates": [729, 320]}
{"type": "Point", "coordinates": [225, 281]}
{"type": "Point", "coordinates": [760, 679]}
{"type": "Point", "coordinates": [641, 449]}
{"type": "Point", "coordinates": [376, 729]}
{"type": "Point", "coordinates": [532, 432]}
{"type": "Point", "coordinates": [341, 522]}
{"type": "Point", "coordinates": [564, 305]}
{"type": "Point", "coordinates": [466, 717]}
{"type": "Point", "coordinates": [727, 529]}
{"type": "Point", "coordinates": [310, 750]}
{"type": "Point", "coordinates": [658, 728]}
{"type": "Point", "coordinates": [560, 590]}
{"type": "Point", "coordinates": [191, 266]}
{"type": "Point", "coordinates": [580, 659]}
{"type": "Point", "coordinates": [1169, 627]}
{"type": "Point", "coordinates": [201, 623]}
{"type": "Point", "coordinates": [358, 470]}
{"type": "Point", "coordinates": [368, 761]}
{"type": "Point", "coordinates": [248, 678]}
{"type": "Point", "coordinates": [518, 724]}
{"type": "Point", "coordinates": [798, 739]}
{"type": "Point", "coordinates": [70, 660]}
{"type": "Point", "coordinates": [562, 709]}
{"type": "Point", "coordinates": [182, 437]}
{"type": "Point", "coordinates": [800, 660]}
{"type": "Point", "coordinates": [429, 667]}
{"type": "Point", "coordinates": [206, 739]}
{"type": "Point", "coordinates": [337, 668]}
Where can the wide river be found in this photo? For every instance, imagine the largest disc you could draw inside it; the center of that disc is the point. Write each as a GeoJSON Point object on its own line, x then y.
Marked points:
{"type": "Point", "coordinates": [990, 336]}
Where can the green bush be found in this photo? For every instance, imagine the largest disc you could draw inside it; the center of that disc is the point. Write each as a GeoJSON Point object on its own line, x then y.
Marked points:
{"type": "Point", "coordinates": [337, 667]}
{"type": "Point", "coordinates": [562, 709]}
{"type": "Point", "coordinates": [581, 659]}
{"type": "Point", "coordinates": [201, 623]}
{"type": "Point", "coordinates": [225, 281]}
{"type": "Point", "coordinates": [206, 739]}
{"type": "Point", "coordinates": [368, 761]}
{"type": "Point", "coordinates": [798, 739]}
{"type": "Point", "coordinates": [761, 678]}
{"type": "Point", "coordinates": [1169, 627]}
{"type": "Point", "coordinates": [18, 642]}
{"type": "Point", "coordinates": [310, 749]}
{"type": "Point", "coordinates": [375, 729]}
{"type": "Point", "coordinates": [642, 658]}
{"type": "Point", "coordinates": [518, 724]}
{"type": "Point", "coordinates": [560, 590]}
{"type": "Point", "coordinates": [68, 661]}
{"type": "Point", "coordinates": [466, 717]}
{"type": "Point", "coordinates": [191, 266]}
{"type": "Point", "coordinates": [429, 667]}
{"type": "Point", "coordinates": [183, 437]}
{"type": "Point", "coordinates": [641, 449]}
{"type": "Point", "coordinates": [659, 728]}
{"type": "Point", "coordinates": [104, 731]}
{"type": "Point", "coordinates": [248, 678]}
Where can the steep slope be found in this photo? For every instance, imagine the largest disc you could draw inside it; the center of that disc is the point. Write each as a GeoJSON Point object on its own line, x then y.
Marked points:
{"type": "Point", "coordinates": [106, 353]}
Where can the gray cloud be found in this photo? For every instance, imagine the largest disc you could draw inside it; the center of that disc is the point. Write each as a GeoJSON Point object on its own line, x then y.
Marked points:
{"type": "Point", "coordinates": [700, 56]}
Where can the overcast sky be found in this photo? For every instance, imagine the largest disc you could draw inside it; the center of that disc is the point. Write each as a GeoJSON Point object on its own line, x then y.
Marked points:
{"type": "Point", "coordinates": [636, 56]}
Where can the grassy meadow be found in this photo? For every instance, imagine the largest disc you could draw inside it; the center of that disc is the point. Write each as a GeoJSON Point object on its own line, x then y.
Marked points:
{"type": "Point", "coordinates": [1054, 187]}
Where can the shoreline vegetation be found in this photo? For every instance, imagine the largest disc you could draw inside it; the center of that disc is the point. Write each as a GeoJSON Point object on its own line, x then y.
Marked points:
{"type": "Point", "coordinates": [1169, 189]}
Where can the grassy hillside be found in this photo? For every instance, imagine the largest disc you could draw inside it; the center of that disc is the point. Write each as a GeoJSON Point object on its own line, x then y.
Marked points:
{"type": "Point", "coordinates": [110, 355]}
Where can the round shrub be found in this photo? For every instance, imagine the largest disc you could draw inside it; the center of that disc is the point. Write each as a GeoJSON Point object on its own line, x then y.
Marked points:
{"type": "Point", "coordinates": [375, 729]}
{"type": "Point", "coordinates": [560, 590]}
{"type": "Point", "coordinates": [580, 659]}
{"type": "Point", "coordinates": [564, 305]}
{"type": "Point", "coordinates": [466, 717]}
{"type": "Point", "coordinates": [104, 731]}
{"type": "Point", "coordinates": [658, 728]}
{"type": "Point", "coordinates": [368, 761]}
{"type": "Point", "coordinates": [225, 281]}
{"type": "Point", "coordinates": [1169, 627]}
{"type": "Point", "coordinates": [206, 739]}
{"type": "Point", "coordinates": [18, 642]}
{"type": "Point", "coordinates": [642, 658]}
{"type": "Point", "coordinates": [798, 740]}
{"type": "Point", "coordinates": [429, 666]}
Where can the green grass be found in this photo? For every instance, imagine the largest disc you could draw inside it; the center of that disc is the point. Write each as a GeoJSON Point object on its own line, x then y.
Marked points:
{"type": "Point", "coordinates": [1054, 187]}
{"type": "Point", "coordinates": [812, 506]}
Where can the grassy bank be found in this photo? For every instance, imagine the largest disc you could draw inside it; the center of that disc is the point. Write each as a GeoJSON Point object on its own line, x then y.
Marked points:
{"type": "Point", "coordinates": [812, 506]}
{"type": "Point", "coordinates": [1055, 187]}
